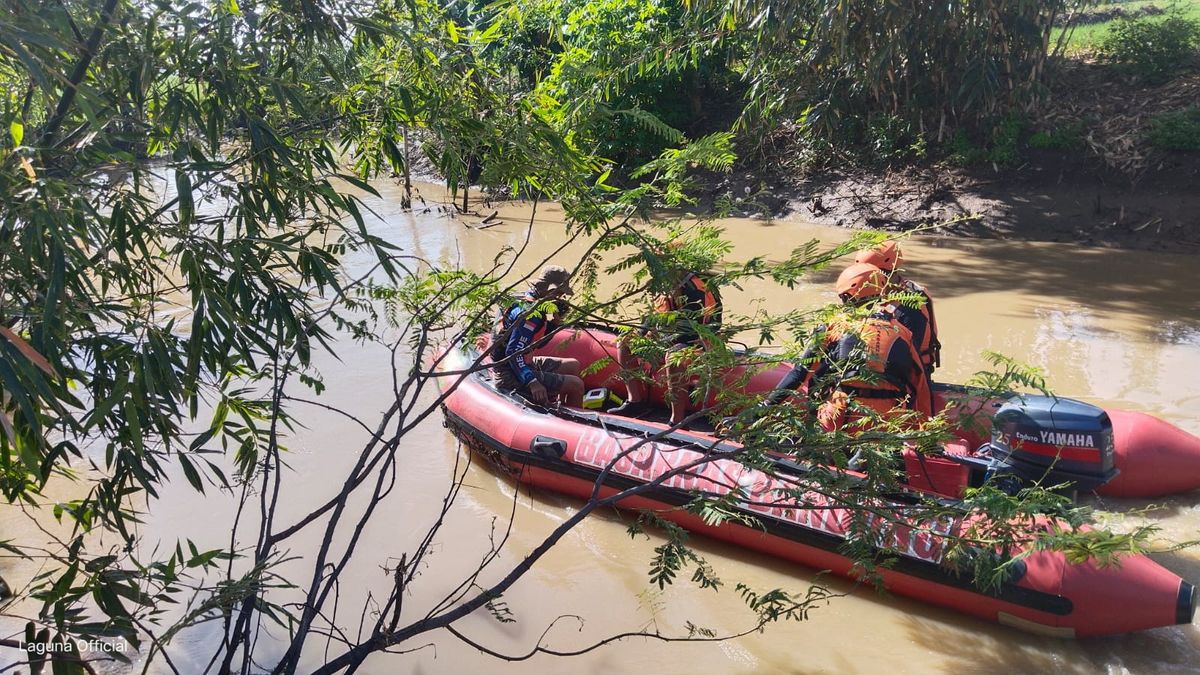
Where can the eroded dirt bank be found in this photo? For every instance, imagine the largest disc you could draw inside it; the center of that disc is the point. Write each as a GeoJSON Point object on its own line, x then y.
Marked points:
{"type": "Point", "coordinates": [1052, 201]}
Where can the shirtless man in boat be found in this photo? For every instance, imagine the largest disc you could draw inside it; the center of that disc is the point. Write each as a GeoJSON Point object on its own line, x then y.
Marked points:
{"type": "Point", "coordinates": [897, 379]}
{"type": "Point", "coordinates": [520, 328]}
{"type": "Point", "coordinates": [920, 321]}
{"type": "Point", "coordinates": [692, 302]}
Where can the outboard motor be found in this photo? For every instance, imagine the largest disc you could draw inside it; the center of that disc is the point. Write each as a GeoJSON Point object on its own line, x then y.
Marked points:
{"type": "Point", "coordinates": [1053, 440]}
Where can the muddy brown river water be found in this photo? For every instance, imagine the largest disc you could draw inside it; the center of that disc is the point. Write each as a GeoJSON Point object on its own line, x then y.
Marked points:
{"type": "Point", "coordinates": [1115, 328]}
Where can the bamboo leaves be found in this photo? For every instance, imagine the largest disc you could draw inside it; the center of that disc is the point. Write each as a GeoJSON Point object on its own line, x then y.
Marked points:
{"type": "Point", "coordinates": [924, 62]}
{"type": "Point", "coordinates": [28, 352]}
{"type": "Point", "coordinates": [138, 297]}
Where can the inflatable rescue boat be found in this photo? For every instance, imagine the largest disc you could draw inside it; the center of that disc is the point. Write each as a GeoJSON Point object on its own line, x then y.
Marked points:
{"type": "Point", "coordinates": [571, 451]}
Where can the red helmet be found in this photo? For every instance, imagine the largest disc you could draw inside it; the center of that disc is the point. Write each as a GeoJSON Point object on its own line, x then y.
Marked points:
{"type": "Point", "coordinates": [861, 281]}
{"type": "Point", "coordinates": [885, 256]}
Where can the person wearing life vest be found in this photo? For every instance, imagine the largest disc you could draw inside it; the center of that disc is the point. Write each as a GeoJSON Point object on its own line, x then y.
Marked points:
{"type": "Point", "coordinates": [520, 328]}
{"type": "Point", "coordinates": [920, 320]}
{"type": "Point", "coordinates": [894, 379]}
{"type": "Point", "coordinates": [691, 303]}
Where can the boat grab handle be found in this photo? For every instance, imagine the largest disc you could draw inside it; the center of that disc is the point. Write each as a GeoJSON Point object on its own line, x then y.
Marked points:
{"type": "Point", "coordinates": [548, 446]}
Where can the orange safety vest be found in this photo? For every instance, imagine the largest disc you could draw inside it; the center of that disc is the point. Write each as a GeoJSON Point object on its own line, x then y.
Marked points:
{"type": "Point", "coordinates": [670, 302]}
{"type": "Point", "coordinates": [879, 334]}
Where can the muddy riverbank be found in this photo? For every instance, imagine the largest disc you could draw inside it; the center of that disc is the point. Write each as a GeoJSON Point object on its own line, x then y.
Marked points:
{"type": "Point", "coordinates": [1052, 201]}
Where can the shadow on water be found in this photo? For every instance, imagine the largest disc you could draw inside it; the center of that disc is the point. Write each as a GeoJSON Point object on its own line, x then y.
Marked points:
{"type": "Point", "coordinates": [1151, 284]}
{"type": "Point", "coordinates": [1156, 286]}
{"type": "Point", "coordinates": [1000, 650]}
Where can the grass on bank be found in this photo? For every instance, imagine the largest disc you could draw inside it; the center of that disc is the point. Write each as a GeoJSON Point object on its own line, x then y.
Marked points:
{"type": "Point", "coordinates": [1087, 38]}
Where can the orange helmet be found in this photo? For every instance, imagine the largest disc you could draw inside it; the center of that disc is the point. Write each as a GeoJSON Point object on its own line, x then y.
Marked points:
{"type": "Point", "coordinates": [885, 256]}
{"type": "Point", "coordinates": [861, 281]}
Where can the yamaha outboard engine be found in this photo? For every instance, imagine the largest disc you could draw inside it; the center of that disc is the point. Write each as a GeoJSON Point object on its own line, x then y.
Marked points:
{"type": "Point", "coordinates": [1053, 441]}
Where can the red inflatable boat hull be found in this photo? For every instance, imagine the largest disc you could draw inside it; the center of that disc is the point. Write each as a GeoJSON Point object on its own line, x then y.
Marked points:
{"type": "Point", "coordinates": [1155, 458]}
{"type": "Point", "coordinates": [569, 455]}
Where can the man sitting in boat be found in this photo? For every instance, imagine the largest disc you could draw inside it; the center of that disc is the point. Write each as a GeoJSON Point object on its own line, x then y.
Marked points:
{"type": "Point", "coordinates": [918, 320]}
{"type": "Point", "coordinates": [520, 328]}
{"type": "Point", "coordinates": [879, 343]}
{"type": "Point", "coordinates": [691, 302]}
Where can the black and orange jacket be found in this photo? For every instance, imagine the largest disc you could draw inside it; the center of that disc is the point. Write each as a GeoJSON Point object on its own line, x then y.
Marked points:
{"type": "Point", "coordinates": [696, 300]}
{"type": "Point", "coordinates": [897, 376]}
{"type": "Point", "coordinates": [922, 323]}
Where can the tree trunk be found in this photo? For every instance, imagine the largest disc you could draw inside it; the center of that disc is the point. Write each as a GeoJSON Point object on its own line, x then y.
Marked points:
{"type": "Point", "coordinates": [406, 201]}
{"type": "Point", "coordinates": [470, 167]}
{"type": "Point", "coordinates": [71, 87]}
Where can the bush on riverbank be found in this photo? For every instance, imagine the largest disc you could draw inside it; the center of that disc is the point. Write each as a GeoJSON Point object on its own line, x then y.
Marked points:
{"type": "Point", "coordinates": [1152, 49]}
{"type": "Point", "coordinates": [1177, 130]}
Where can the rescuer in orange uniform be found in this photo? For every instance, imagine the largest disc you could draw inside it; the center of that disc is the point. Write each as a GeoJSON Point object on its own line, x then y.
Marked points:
{"type": "Point", "coordinates": [894, 379]}
{"type": "Point", "coordinates": [692, 302]}
{"type": "Point", "coordinates": [920, 321]}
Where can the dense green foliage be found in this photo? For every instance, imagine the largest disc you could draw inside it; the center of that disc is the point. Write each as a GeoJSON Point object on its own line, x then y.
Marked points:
{"type": "Point", "coordinates": [1177, 130]}
{"type": "Point", "coordinates": [1152, 48]}
{"type": "Point", "coordinates": [601, 74]}
{"type": "Point", "coordinates": [237, 220]}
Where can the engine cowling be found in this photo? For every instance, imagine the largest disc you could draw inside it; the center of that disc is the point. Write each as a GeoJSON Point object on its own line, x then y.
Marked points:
{"type": "Point", "coordinates": [1054, 441]}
